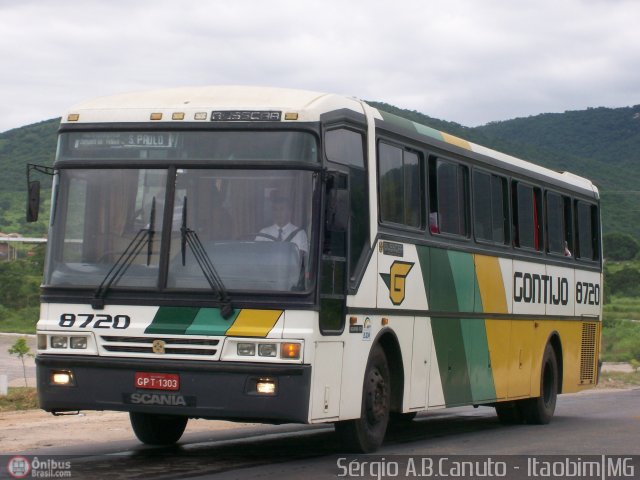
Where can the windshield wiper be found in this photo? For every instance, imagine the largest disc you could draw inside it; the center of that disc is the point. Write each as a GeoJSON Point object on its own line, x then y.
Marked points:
{"type": "Point", "coordinates": [190, 238]}
{"type": "Point", "coordinates": [126, 258]}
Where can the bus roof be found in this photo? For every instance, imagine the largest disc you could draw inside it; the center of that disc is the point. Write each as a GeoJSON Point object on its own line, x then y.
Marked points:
{"type": "Point", "coordinates": [197, 103]}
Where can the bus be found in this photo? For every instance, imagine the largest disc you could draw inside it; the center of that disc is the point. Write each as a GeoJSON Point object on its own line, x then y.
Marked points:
{"type": "Point", "coordinates": [277, 255]}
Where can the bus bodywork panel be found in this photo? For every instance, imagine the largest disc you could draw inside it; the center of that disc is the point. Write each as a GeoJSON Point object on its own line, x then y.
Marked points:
{"type": "Point", "coordinates": [491, 319]}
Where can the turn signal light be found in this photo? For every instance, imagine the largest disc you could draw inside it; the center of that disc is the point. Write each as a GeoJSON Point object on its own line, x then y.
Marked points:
{"type": "Point", "coordinates": [290, 351]}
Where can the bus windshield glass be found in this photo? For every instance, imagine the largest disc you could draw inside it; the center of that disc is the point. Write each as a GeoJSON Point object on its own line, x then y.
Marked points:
{"type": "Point", "coordinates": [219, 145]}
{"type": "Point", "coordinates": [253, 226]}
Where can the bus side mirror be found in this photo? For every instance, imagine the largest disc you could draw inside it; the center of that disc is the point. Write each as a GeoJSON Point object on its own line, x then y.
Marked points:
{"type": "Point", "coordinates": [338, 210]}
{"type": "Point", "coordinates": [33, 201]}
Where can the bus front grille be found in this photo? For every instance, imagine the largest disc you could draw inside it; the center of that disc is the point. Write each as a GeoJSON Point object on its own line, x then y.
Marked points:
{"type": "Point", "coordinates": [166, 347]}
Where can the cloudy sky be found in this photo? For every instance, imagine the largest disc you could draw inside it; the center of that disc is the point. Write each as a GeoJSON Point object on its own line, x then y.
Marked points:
{"type": "Point", "coordinates": [468, 61]}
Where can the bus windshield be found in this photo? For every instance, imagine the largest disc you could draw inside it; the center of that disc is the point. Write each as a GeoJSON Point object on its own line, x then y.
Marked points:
{"type": "Point", "coordinates": [252, 225]}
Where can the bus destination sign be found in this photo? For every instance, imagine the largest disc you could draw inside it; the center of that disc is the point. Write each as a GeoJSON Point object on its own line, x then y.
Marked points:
{"type": "Point", "coordinates": [101, 140]}
{"type": "Point", "coordinates": [245, 116]}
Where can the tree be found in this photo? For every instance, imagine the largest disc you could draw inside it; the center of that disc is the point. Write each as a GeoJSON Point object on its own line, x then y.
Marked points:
{"type": "Point", "coordinates": [21, 349]}
{"type": "Point", "coordinates": [620, 246]}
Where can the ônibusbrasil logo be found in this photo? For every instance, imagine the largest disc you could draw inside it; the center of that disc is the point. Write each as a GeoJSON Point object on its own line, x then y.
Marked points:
{"type": "Point", "coordinates": [19, 467]}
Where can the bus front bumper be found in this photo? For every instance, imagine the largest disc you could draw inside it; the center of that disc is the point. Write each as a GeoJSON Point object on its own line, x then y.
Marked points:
{"type": "Point", "coordinates": [216, 390]}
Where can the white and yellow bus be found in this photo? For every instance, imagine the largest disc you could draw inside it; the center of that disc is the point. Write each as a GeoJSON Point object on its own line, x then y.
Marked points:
{"type": "Point", "coordinates": [279, 256]}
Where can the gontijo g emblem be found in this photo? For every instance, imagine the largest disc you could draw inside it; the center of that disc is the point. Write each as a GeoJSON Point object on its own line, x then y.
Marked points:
{"type": "Point", "coordinates": [395, 280]}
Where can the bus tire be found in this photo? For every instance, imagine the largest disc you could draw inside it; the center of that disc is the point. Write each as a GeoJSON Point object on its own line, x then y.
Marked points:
{"type": "Point", "coordinates": [509, 413]}
{"type": "Point", "coordinates": [153, 429]}
{"type": "Point", "coordinates": [540, 410]}
{"type": "Point", "coordinates": [365, 434]}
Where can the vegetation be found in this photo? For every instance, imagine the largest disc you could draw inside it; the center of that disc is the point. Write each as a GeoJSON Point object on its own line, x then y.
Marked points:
{"type": "Point", "coordinates": [20, 292]}
{"type": "Point", "coordinates": [620, 246]}
{"type": "Point", "coordinates": [19, 398]}
{"type": "Point", "coordinates": [619, 379]}
{"type": "Point", "coordinates": [21, 350]}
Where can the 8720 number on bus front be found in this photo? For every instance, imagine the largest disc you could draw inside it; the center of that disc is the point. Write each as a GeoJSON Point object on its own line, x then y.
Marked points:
{"type": "Point", "coordinates": [90, 320]}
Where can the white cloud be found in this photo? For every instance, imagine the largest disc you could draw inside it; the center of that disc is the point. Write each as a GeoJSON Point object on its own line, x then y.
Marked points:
{"type": "Point", "coordinates": [458, 60]}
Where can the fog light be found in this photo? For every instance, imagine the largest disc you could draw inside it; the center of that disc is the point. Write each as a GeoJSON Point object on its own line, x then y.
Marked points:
{"type": "Point", "coordinates": [79, 343]}
{"type": "Point", "coordinates": [58, 341]}
{"type": "Point", "coordinates": [267, 350]}
{"type": "Point", "coordinates": [266, 386]}
{"type": "Point", "coordinates": [246, 349]}
{"type": "Point", "coordinates": [290, 351]}
{"type": "Point", "coordinates": [61, 378]}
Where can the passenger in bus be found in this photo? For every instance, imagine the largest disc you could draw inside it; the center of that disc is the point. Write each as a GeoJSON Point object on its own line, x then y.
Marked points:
{"type": "Point", "coordinates": [567, 252]}
{"type": "Point", "coordinates": [282, 229]}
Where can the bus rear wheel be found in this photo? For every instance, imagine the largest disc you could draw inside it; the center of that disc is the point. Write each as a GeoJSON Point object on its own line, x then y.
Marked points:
{"type": "Point", "coordinates": [153, 429]}
{"type": "Point", "coordinates": [540, 410]}
{"type": "Point", "coordinates": [366, 433]}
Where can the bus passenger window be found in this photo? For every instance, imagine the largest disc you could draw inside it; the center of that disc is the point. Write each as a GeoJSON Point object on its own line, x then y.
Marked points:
{"type": "Point", "coordinates": [558, 222]}
{"type": "Point", "coordinates": [448, 197]}
{"type": "Point", "coordinates": [490, 207]}
{"type": "Point", "coordinates": [401, 190]}
{"type": "Point", "coordinates": [526, 216]}
{"type": "Point", "coordinates": [587, 235]}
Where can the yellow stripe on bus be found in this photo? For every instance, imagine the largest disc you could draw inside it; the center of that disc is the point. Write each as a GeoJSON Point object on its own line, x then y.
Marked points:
{"type": "Point", "coordinates": [494, 300]}
{"type": "Point", "coordinates": [254, 323]}
{"type": "Point", "coordinates": [490, 282]}
{"type": "Point", "coordinates": [456, 141]}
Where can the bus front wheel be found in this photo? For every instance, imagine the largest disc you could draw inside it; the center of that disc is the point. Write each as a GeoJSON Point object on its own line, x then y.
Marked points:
{"type": "Point", "coordinates": [366, 433]}
{"type": "Point", "coordinates": [155, 429]}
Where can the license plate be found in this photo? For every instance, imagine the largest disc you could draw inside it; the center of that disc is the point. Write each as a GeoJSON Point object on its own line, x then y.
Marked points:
{"type": "Point", "coordinates": [157, 381]}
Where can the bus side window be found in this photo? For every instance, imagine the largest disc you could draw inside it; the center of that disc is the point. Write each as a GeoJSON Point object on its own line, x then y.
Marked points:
{"type": "Point", "coordinates": [587, 231]}
{"type": "Point", "coordinates": [558, 224]}
{"type": "Point", "coordinates": [526, 216]}
{"type": "Point", "coordinates": [448, 197]}
{"type": "Point", "coordinates": [490, 208]}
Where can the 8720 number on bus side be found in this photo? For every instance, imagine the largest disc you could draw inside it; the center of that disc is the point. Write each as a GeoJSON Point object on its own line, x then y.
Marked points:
{"type": "Point", "coordinates": [89, 320]}
{"type": "Point", "coordinates": [587, 293]}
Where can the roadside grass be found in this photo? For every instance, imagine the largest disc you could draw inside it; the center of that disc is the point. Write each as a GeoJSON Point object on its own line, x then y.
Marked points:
{"type": "Point", "coordinates": [619, 379]}
{"type": "Point", "coordinates": [19, 398]}
{"type": "Point", "coordinates": [621, 330]}
{"type": "Point", "coordinates": [19, 321]}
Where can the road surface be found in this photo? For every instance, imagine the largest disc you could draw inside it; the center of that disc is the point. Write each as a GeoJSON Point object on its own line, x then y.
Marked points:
{"type": "Point", "coordinates": [590, 423]}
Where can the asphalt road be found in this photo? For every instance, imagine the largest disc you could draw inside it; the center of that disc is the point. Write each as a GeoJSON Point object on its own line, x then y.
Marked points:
{"type": "Point", "coordinates": [591, 423]}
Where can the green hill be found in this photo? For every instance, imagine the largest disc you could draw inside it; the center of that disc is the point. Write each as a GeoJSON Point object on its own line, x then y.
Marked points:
{"type": "Point", "coordinates": [31, 144]}
{"type": "Point", "coordinates": [602, 144]}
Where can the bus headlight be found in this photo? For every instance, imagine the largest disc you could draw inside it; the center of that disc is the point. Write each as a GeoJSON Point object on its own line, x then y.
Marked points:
{"type": "Point", "coordinates": [59, 341]}
{"type": "Point", "coordinates": [79, 343]}
{"type": "Point", "coordinates": [268, 350]}
{"type": "Point", "coordinates": [246, 349]}
{"type": "Point", "coordinates": [266, 386]}
{"type": "Point", "coordinates": [62, 377]}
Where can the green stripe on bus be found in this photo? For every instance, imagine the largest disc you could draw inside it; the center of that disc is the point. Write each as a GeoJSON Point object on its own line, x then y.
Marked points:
{"type": "Point", "coordinates": [172, 320]}
{"type": "Point", "coordinates": [452, 360]}
{"type": "Point", "coordinates": [464, 279]}
{"type": "Point", "coordinates": [442, 294]}
{"type": "Point", "coordinates": [209, 321]}
{"type": "Point", "coordinates": [476, 349]}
